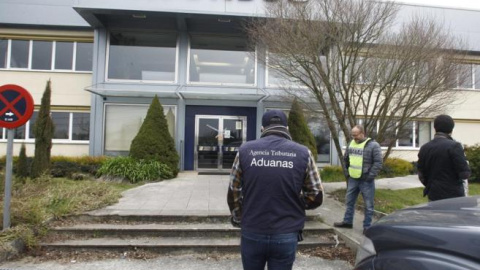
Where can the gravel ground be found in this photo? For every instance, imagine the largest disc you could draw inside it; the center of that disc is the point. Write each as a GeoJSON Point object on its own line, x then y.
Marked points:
{"type": "Point", "coordinates": [180, 262]}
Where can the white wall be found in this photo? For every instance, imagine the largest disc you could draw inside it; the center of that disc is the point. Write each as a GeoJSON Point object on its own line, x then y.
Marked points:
{"type": "Point", "coordinates": [58, 149]}
{"type": "Point", "coordinates": [67, 88]}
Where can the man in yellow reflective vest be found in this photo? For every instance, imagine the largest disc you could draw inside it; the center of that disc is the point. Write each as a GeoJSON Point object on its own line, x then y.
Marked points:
{"type": "Point", "coordinates": [363, 161]}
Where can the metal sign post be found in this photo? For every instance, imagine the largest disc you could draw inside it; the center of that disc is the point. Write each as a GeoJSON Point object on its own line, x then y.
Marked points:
{"type": "Point", "coordinates": [8, 180]}
{"type": "Point", "coordinates": [16, 108]}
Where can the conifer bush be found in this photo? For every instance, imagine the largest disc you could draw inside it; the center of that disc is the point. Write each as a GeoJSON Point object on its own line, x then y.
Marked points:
{"type": "Point", "coordinates": [22, 164]}
{"type": "Point", "coordinates": [297, 125]}
{"type": "Point", "coordinates": [153, 141]}
{"type": "Point", "coordinates": [43, 130]}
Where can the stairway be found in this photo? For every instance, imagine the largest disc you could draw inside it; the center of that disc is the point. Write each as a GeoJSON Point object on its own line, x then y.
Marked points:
{"type": "Point", "coordinates": [164, 234]}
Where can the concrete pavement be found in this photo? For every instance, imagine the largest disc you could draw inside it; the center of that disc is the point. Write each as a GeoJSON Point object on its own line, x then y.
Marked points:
{"type": "Point", "coordinates": [193, 194]}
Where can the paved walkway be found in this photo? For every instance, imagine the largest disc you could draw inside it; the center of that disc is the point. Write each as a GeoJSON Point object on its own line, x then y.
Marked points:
{"type": "Point", "coordinates": [193, 194]}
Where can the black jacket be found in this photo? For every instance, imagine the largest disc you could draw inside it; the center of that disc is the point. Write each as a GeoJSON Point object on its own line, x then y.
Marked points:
{"type": "Point", "coordinates": [442, 166]}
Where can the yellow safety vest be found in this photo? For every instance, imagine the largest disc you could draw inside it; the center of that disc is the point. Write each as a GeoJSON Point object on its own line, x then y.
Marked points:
{"type": "Point", "coordinates": [355, 154]}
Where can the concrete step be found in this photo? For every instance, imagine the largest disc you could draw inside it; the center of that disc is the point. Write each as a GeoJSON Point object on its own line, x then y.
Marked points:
{"type": "Point", "coordinates": [167, 219]}
{"type": "Point", "coordinates": [171, 245]}
{"type": "Point", "coordinates": [95, 230]}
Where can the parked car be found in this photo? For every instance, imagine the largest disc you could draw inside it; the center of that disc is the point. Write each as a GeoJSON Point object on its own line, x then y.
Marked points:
{"type": "Point", "coordinates": [440, 235]}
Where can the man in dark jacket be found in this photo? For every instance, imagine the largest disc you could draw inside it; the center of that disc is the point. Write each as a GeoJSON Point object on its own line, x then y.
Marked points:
{"type": "Point", "coordinates": [442, 165]}
{"type": "Point", "coordinates": [363, 161]}
{"type": "Point", "coordinates": [273, 181]}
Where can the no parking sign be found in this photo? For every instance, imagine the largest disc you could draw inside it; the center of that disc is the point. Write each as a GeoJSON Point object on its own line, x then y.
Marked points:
{"type": "Point", "coordinates": [16, 107]}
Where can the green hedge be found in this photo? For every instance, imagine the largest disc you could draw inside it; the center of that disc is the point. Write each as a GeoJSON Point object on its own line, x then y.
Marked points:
{"type": "Point", "coordinates": [135, 170]}
{"type": "Point", "coordinates": [473, 157]}
{"type": "Point", "coordinates": [393, 167]}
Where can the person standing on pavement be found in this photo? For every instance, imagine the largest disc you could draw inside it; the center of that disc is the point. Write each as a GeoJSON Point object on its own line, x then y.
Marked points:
{"type": "Point", "coordinates": [273, 181]}
{"type": "Point", "coordinates": [442, 165]}
{"type": "Point", "coordinates": [363, 161]}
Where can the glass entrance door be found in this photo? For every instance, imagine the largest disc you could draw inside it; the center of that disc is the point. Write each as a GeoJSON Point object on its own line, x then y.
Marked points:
{"type": "Point", "coordinates": [217, 139]}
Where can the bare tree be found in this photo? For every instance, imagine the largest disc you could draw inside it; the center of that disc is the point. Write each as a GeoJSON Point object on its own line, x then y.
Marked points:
{"type": "Point", "coordinates": [357, 62]}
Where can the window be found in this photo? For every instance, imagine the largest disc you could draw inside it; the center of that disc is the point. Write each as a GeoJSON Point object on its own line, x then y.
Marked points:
{"type": "Point", "coordinates": [413, 135]}
{"type": "Point", "coordinates": [84, 56]}
{"type": "Point", "coordinates": [477, 76]}
{"type": "Point", "coordinates": [80, 126]}
{"type": "Point", "coordinates": [142, 56]}
{"type": "Point", "coordinates": [61, 121]}
{"type": "Point", "coordinates": [406, 135]}
{"type": "Point", "coordinates": [422, 133]}
{"type": "Point", "coordinates": [319, 128]}
{"type": "Point", "coordinates": [69, 126]}
{"type": "Point", "coordinates": [3, 53]}
{"type": "Point", "coordinates": [46, 55]}
{"type": "Point", "coordinates": [20, 54]}
{"type": "Point", "coordinates": [276, 78]}
{"type": "Point", "coordinates": [221, 60]}
{"type": "Point", "coordinates": [465, 77]}
{"type": "Point", "coordinates": [42, 55]}
{"type": "Point", "coordinates": [122, 123]}
{"type": "Point", "coordinates": [63, 55]}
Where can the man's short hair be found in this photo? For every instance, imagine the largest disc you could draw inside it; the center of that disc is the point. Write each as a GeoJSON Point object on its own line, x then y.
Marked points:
{"type": "Point", "coordinates": [274, 117]}
{"type": "Point", "coordinates": [443, 123]}
{"type": "Point", "coordinates": [360, 128]}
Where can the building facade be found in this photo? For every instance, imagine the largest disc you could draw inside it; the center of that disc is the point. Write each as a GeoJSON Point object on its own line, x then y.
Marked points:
{"type": "Point", "coordinates": [108, 59]}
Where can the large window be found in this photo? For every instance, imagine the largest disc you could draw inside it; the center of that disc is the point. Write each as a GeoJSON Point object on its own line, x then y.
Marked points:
{"type": "Point", "coordinates": [142, 56]}
{"type": "Point", "coordinates": [69, 126]}
{"type": "Point", "coordinates": [221, 60]}
{"type": "Point", "coordinates": [46, 55]}
{"type": "Point", "coordinates": [122, 123]}
{"type": "Point", "coordinates": [413, 135]}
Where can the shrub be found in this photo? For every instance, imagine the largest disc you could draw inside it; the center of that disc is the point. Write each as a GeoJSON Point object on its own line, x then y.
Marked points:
{"type": "Point", "coordinates": [135, 170]}
{"type": "Point", "coordinates": [473, 157]}
{"type": "Point", "coordinates": [393, 167]}
{"type": "Point", "coordinates": [43, 130]}
{"type": "Point", "coordinates": [153, 141]}
{"type": "Point", "coordinates": [63, 169]}
{"type": "Point", "coordinates": [63, 166]}
{"type": "Point", "coordinates": [22, 164]}
{"type": "Point", "coordinates": [299, 129]}
{"type": "Point", "coordinates": [332, 174]}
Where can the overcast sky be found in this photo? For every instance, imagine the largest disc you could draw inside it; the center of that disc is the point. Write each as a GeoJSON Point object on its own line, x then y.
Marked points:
{"type": "Point", "coordinates": [468, 4]}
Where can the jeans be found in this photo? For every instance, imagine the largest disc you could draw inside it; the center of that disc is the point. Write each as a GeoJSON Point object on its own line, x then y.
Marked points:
{"type": "Point", "coordinates": [368, 192]}
{"type": "Point", "coordinates": [276, 250]}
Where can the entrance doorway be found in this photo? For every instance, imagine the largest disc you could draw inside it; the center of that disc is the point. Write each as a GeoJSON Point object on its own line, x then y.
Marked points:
{"type": "Point", "coordinates": [217, 138]}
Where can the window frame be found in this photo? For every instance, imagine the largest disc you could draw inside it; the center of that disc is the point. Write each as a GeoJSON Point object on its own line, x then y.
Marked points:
{"type": "Point", "coordinates": [107, 64]}
{"type": "Point", "coordinates": [273, 85]}
{"type": "Point", "coordinates": [28, 126]}
{"type": "Point", "coordinates": [52, 58]}
{"type": "Point", "coordinates": [414, 135]}
{"type": "Point", "coordinates": [246, 85]}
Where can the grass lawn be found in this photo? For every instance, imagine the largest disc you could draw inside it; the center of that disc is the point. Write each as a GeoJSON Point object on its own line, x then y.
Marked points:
{"type": "Point", "coordinates": [36, 201]}
{"type": "Point", "coordinates": [387, 201]}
